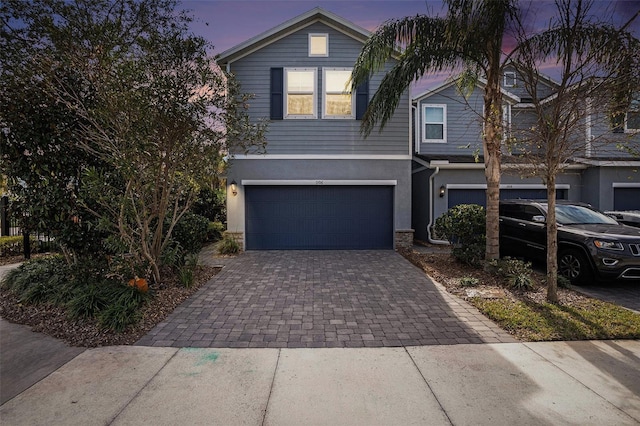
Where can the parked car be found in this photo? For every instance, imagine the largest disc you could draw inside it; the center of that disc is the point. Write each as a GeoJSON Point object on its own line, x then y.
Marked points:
{"type": "Point", "coordinates": [631, 218]}
{"type": "Point", "coordinates": [591, 245]}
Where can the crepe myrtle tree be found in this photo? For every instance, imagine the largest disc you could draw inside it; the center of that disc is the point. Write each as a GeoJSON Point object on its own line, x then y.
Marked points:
{"type": "Point", "coordinates": [151, 105]}
{"type": "Point", "coordinates": [599, 73]}
{"type": "Point", "coordinates": [470, 37]}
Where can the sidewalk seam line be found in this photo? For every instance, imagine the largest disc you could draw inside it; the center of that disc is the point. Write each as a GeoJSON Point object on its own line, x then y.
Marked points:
{"type": "Point", "coordinates": [428, 385]}
{"type": "Point", "coordinates": [273, 380]}
{"type": "Point", "coordinates": [579, 381]}
{"type": "Point", "coordinates": [113, 419]}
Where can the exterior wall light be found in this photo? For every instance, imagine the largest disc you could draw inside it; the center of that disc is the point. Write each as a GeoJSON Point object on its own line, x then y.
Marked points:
{"type": "Point", "coordinates": [442, 190]}
{"type": "Point", "coordinates": [234, 188]}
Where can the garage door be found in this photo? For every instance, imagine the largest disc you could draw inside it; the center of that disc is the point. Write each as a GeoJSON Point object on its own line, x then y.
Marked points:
{"type": "Point", "coordinates": [626, 198]}
{"type": "Point", "coordinates": [319, 217]}
{"type": "Point", "coordinates": [478, 196]}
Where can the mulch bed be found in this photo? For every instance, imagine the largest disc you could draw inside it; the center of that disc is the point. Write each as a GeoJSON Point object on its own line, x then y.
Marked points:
{"type": "Point", "coordinates": [53, 320]}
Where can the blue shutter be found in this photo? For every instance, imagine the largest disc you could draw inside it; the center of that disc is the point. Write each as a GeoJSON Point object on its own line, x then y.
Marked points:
{"type": "Point", "coordinates": [277, 93]}
{"type": "Point", "coordinates": [362, 99]}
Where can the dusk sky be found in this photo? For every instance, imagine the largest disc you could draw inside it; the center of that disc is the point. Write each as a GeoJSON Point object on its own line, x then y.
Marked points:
{"type": "Point", "coordinates": [228, 23]}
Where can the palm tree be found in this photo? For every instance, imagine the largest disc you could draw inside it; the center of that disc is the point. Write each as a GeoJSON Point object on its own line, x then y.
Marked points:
{"type": "Point", "coordinates": [470, 37]}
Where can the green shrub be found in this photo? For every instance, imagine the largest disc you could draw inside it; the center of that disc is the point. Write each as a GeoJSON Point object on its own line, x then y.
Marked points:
{"type": "Point", "coordinates": [469, 281]}
{"type": "Point", "coordinates": [87, 301]}
{"type": "Point", "coordinates": [13, 245]}
{"type": "Point", "coordinates": [44, 272]}
{"type": "Point", "coordinates": [464, 227]}
{"type": "Point", "coordinates": [563, 282]}
{"type": "Point", "coordinates": [186, 274]}
{"type": "Point", "coordinates": [123, 309]}
{"type": "Point", "coordinates": [517, 272]}
{"type": "Point", "coordinates": [81, 289]}
{"type": "Point", "coordinates": [228, 245]}
{"type": "Point", "coordinates": [191, 232]}
{"type": "Point", "coordinates": [215, 231]}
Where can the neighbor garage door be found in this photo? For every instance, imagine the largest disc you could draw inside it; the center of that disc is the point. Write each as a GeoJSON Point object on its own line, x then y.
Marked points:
{"type": "Point", "coordinates": [626, 198]}
{"type": "Point", "coordinates": [478, 196]}
{"type": "Point", "coordinates": [319, 217]}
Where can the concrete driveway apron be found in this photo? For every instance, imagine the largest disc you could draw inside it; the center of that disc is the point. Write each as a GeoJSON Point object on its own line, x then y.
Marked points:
{"type": "Point", "coordinates": [297, 299]}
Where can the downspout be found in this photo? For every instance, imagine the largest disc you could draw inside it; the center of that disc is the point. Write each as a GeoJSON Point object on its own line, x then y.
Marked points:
{"type": "Point", "coordinates": [431, 220]}
{"type": "Point", "coordinates": [431, 207]}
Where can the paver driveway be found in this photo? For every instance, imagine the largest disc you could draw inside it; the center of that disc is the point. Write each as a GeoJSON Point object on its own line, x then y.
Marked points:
{"type": "Point", "coordinates": [291, 299]}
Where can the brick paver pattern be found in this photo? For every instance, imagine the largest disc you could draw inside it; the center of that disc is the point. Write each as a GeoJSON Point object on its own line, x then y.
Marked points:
{"type": "Point", "coordinates": [298, 299]}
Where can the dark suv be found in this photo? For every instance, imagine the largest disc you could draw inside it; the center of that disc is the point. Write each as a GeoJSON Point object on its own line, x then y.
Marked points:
{"type": "Point", "coordinates": [590, 244]}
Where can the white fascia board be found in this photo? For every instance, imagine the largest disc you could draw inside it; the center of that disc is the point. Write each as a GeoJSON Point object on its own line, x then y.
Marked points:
{"type": "Point", "coordinates": [321, 157]}
{"type": "Point", "coordinates": [504, 186]}
{"type": "Point", "coordinates": [295, 24]}
{"type": "Point", "coordinates": [625, 184]}
{"type": "Point", "coordinates": [318, 182]}
{"type": "Point", "coordinates": [481, 82]}
{"type": "Point", "coordinates": [609, 163]}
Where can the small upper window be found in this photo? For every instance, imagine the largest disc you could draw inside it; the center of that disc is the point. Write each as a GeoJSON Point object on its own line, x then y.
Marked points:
{"type": "Point", "coordinates": [434, 118]}
{"type": "Point", "coordinates": [509, 79]}
{"type": "Point", "coordinates": [318, 44]}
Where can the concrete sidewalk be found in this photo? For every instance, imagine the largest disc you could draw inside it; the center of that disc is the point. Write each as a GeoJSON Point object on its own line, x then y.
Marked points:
{"type": "Point", "coordinates": [587, 383]}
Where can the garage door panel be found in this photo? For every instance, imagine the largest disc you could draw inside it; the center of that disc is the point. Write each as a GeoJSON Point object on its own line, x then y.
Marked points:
{"type": "Point", "coordinates": [626, 198]}
{"type": "Point", "coordinates": [319, 217]}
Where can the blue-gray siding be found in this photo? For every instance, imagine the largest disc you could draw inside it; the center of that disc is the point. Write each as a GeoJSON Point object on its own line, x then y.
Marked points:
{"type": "Point", "coordinates": [317, 136]}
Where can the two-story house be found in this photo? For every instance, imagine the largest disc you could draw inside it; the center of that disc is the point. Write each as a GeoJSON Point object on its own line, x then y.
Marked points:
{"type": "Point", "coordinates": [320, 184]}
{"type": "Point", "coordinates": [448, 168]}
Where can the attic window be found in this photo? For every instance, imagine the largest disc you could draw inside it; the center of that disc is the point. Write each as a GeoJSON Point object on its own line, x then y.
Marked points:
{"type": "Point", "coordinates": [319, 45]}
{"type": "Point", "coordinates": [509, 79]}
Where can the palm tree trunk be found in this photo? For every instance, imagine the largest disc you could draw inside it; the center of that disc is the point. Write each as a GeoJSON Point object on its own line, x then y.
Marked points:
{"type": "Point", "coordinates": [492, 158]}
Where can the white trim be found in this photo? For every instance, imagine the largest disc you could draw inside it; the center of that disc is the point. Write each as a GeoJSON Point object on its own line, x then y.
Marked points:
{"type": "Point", "coordinates": [625, 185]}
{"type": "Point", "coordinates": [293, 25]}
{"type": "Point", "coordinates": [321, 157]}
{"type": "Point", "coordinates": [511, 74]}
{"type": "Point", "coordinates": [318, 182]}
{"type": "Point", "coordinates": [504, 186]}
{"type": "Point", "coordinates": [352, 116]}
{"type": "Point", "coordinates": [626, 120]}
{"type": "Point", "coordinates": [326, 45]}
{"type": "Point", "coordinates": [609, 163]}
{"type": "Point", "coordinates": [424, 123]}
{"type": "Point", "coordinates": [314, 94]}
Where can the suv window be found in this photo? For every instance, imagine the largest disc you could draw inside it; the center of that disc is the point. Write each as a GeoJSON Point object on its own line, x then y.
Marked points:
{"type": "Point", "coordinates": [519, 211]}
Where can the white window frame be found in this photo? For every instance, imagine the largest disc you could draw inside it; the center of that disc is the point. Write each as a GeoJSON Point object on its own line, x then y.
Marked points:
{"type": "Point", "coordinates": [351, 116]}
{"type": "Point", "coordinates": [326, 39]}
{"type": "Point", "coordinates": [510, 75]}
{"type": "Point", "coordinates": [628, 129]}
{"type": "Point", "coordinates": [424, 123]}
{"type": "Point", "coordinates": [286, 95]}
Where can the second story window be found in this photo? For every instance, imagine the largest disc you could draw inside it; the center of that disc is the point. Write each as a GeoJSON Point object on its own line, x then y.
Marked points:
{"type": "Point", "coordinates": [337, 99]}
{"type": "Point", "coordinates": [434, 119]}
{"type": "Point", "coordinates": [300, 92]}
{"type": "Point", "coordinates": [319, 45]}
{"type": "Point", "coordinates": [509, 79]}
{"type": "Point", "coordinates": [632, 117]}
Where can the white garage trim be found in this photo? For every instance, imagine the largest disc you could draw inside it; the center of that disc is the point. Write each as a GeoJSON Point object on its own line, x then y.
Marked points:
{"type": "Point", "coordinates": [504, 186]}
{"type": "Point", "coordinates": [320, 182]}
{"type": "Point", "coordinates": [625, 184]}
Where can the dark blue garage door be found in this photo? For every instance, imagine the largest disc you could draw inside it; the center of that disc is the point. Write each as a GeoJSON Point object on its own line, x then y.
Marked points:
{"type": "Point", "coordinates": [319, 217]}
{"type": "Point", "coordinates": [626, 198]}
{"type": "Point", "coordinates": [478, 196]}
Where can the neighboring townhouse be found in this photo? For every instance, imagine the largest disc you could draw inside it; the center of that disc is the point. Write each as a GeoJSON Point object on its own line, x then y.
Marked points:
{"type": "Point", "coordinates": [448, 167]}
{"type": "Point", "coordinates": [320, 184]}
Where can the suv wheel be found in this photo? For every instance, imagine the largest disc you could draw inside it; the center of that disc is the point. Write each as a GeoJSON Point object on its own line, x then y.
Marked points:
{"type": "Point", "coordinates": [573, 265]}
